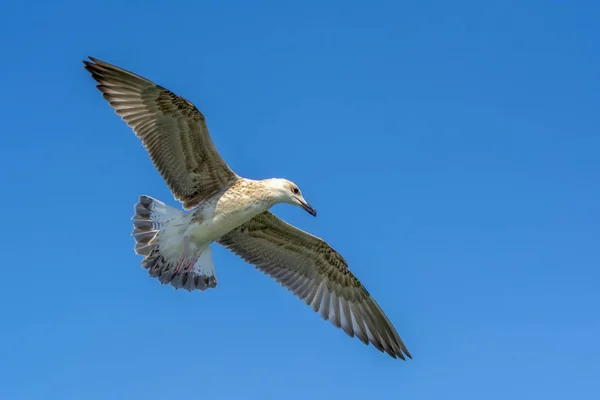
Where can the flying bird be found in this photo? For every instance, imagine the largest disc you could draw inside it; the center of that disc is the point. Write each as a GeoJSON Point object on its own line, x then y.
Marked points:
{"type": "Point", "coordinates": [225, 208]}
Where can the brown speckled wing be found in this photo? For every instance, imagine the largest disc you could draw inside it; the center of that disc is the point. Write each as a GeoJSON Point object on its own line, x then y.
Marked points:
{"type": "Point", "coordinates": [171, 129]}
{"type": "Point", "coordinates": [317, 274]}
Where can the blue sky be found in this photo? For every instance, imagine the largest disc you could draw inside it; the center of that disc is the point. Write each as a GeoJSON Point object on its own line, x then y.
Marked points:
{"type": "Point", "coordinates": [451, 149]}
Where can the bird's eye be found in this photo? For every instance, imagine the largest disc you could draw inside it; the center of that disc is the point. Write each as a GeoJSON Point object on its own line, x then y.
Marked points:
{"type": "Point", "coordinates": [295, 190]}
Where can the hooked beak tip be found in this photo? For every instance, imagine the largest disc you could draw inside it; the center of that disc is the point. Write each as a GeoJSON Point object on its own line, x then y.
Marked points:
{"type": "Point", "coordinates": [309, 209]}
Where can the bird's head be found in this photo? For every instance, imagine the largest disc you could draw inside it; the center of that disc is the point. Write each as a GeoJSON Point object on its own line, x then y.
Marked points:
{"type": "Point", "coordinates": [288, 192]}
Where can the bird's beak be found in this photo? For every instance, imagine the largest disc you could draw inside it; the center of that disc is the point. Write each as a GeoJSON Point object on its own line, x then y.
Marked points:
{"type": "Point", "coordinates": [308, 208]}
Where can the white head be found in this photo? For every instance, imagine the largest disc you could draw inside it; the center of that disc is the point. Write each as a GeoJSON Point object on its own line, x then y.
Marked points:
{"type": "Point", "coordinates": [285, 191]}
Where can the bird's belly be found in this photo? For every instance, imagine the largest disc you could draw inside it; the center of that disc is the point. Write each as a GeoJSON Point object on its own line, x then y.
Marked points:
{"type": "Point", "coordinates": [213, 227]}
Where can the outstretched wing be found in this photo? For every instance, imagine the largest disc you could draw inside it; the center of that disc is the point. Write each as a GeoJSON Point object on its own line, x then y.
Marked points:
{"type": "Point", "coordinates": [317, 274]}
{"type": "Point", "coordinates": [172, 130]}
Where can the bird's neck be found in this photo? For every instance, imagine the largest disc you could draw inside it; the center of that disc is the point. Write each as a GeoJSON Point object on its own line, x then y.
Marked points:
{"type": "Point", "coordinates": [264, 191]}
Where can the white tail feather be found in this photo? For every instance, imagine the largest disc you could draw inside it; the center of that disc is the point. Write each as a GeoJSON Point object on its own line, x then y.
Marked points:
{"type": "Point", "coordinates": [159, 232]}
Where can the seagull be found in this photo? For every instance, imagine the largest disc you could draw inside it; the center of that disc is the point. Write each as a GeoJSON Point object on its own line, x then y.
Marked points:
{"type": "Point", "coordinates": [222, 207]}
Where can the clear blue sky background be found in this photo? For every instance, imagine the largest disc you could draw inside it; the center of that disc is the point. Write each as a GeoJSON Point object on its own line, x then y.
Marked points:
{"type": "Point", "coordinates": [451, 149]}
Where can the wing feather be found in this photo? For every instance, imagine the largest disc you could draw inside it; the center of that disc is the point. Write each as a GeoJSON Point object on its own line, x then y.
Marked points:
{"type": "Point", "coordinates": [317, 274]}
{"type": "Point", "coordinates": [171, 129]}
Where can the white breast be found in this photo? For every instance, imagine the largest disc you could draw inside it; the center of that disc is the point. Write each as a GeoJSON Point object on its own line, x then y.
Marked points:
{"type": "Point", "coordinates": [220, 215]}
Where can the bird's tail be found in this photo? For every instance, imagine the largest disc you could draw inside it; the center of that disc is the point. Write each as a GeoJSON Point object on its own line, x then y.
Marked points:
{"type": "Point", "coordinates": [150, 217]}
{"type": "Point", "coordinates": [159, 232]}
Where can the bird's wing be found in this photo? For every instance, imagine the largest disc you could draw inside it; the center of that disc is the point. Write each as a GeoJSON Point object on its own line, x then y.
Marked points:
{"type": "Point", "coordinates": [317, 274]}
{"type": "Point", "coordinates": [172, 130]}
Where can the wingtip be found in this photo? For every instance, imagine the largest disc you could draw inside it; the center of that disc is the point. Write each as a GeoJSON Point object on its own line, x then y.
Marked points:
{"type": "Point", "coordinates": [88, 65]}
{"type": "Point", "coordinates": [401, 353]}
{"type": "Point", "coordinates": [396, 355]}
{"type": "Point", "coordinates": [404, 354]}
{"type": "Point", "coordinates": [92, 62]}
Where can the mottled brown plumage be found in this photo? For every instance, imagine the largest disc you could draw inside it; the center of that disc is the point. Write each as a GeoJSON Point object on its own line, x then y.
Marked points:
{"type": "Point", "coordinates": [317, 274]}
{"type": "Point", "coordinates": [171, 128]}
{"type": "Point", "coordinates": [232, 211]}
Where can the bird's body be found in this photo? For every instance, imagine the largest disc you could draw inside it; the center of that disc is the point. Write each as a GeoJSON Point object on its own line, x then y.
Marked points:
{"type": "Point", "coordinates": [185, 237]}
{"type": "Point", "coordinates": [230, 210]}
{"type": "Point", "coordinates": [225, 211]}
